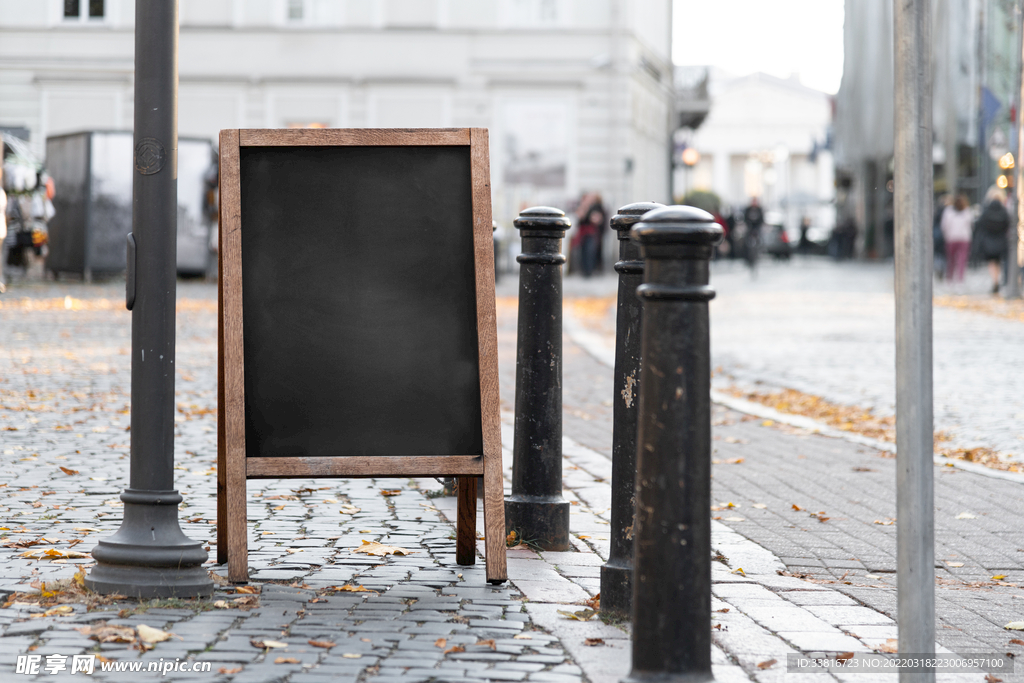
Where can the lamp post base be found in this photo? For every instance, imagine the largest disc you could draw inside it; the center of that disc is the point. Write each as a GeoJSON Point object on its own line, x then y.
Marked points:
{"type": "Point", "coordinates": [149, 556]}
{"type": "Point", "coordinates": [149, 582]}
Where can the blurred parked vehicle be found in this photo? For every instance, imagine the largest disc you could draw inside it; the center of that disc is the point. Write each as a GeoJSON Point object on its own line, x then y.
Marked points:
{"type": "Point", "coordinates": [93, 171]}
{"type": "Point", "coordinates": [776, 242]}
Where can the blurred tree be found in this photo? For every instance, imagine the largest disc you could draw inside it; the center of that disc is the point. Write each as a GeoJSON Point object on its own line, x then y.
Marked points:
{"type": "Point", "coordinates": [703, 199]}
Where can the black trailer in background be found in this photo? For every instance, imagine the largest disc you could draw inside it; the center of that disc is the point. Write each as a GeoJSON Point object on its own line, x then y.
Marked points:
{"type": "Point", "coordinates": [92, 172]}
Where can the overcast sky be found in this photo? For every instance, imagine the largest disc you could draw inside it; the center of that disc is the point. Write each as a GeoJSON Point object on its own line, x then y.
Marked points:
{"type": "Point", "coordinates": [778, 37]}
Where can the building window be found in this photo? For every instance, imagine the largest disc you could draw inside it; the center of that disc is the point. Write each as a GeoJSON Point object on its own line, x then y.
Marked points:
{"type": "Point", "coordinates": [84, 10]}
{"type": "Point", "coordinates": [533, 13]}
{"type": "Point", "coordinates": [296, 10]}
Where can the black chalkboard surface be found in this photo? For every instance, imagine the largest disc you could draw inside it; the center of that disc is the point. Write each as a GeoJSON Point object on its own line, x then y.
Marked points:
{"type": "Point", "coordinates": [349, 257]}
{"type": "Point", "coordinates": [357, 327]}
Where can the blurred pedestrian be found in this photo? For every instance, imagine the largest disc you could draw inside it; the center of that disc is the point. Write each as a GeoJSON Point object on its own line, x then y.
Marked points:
{"type": "Point", "coordinates": [938, 243]}
{"type": "Point", "coordinates": [3, 228]}
{"type": "Point", "coordinates": [956, 231]}
{"type": "Point", "coordinates": [804, 245]}
{"type": "Point", "coordinates": [592, 217]}
{"type": "Point", "coordinates": [991, 228]}
{"type": "Point", "coordinates": [753, 217]}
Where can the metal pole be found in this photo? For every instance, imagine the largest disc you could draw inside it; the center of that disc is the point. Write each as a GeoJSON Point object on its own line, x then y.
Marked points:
{"type": "Point", "coordinates": [149, 556]}
{"type": "Point", "coordinates": [536, 510]}
{"type": "Point", "coordinates": [915, 531]}
{"type": "Point", "coordinates": [617, 572]}
{"type": "Point", "coordinates": [672, 576]}
{"type": "Point", "coordinates": [1015, 239]}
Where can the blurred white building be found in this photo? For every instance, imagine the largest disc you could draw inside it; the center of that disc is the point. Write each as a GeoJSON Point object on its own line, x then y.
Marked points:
{"type": "Point", "coordinates": [764, 137]}
{"type": "Point", "coordinates": [576, 93]}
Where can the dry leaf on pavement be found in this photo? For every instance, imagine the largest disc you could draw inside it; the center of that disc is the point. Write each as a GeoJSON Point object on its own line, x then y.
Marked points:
{"type": "Point", "coordinates": [1016, 641]}
{"type": "Point", "coordinates": [593, 641]}
{"type": "Point", "coordinates": [455, 648]}
{"type": "Point", "coordinates": [247, 589]}
{"type": "Point", "coordinates": [581, 615]}
{"type": "Point", "coordinates": [286, 660]}
{"type": "Point", "coordinates": [108, 634]}
{"type": "Point", "coordinates": [487, 643]}
{"type": "Point", "coordinates": [226, 670]}
{"type": "Point", "coordinates": [1015, 626]}
{"type": "Point", "coordinates": [66, 470]}
{"type": "Point", "coordinates": [766, 664]}
{"type": "Point", "coordinates": [148, 634]}
{"type": "Point", "coordinates": [352, 655]}
{"type": "Point", "coordinates": [440, 642]}
{"type": "Point", "coordinates": [349, 588]}
{"type": "Point", "coordinates": [265, 644]}
{"type": "Point", "coordinates": [892, 646]}
{"type": "Point", "coordinates": [54, 611]}
{"type": "Point", "coordinates": [380, 550]}
{"type": "Point", "coordinates": [326, 644]}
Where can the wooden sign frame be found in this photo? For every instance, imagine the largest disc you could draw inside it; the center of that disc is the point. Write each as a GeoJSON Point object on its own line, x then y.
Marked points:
{"type": "Point", "coordinates": [234, 467]}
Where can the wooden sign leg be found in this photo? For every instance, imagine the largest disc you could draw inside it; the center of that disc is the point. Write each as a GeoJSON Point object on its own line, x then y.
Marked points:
{"type": "Point", "coordinates": [222, 467]}
{"type": "Point", "coordinates": [237, 529]}
{"type": "Point", "coordinates": [494, 521]}
{"type": "Point", "coordinates": [465, 533]}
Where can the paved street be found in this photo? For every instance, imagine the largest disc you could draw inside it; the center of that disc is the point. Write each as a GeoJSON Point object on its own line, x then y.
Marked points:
{"type": "Point", "coordinates": [804, 585]}
{"type": "Point", "coordinates": [829, 329]}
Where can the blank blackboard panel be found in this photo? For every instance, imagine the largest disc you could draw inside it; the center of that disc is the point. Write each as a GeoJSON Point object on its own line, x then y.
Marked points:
{"type": "Point", "coordinates": [358, 286]}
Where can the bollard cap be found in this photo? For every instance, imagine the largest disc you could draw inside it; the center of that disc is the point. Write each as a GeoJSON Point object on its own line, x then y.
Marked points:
{"type": "Point", "coordinates": [677, 225]}
{"type": "Point", "coordinates": [629, 215]}
{"type": "Point", "coordinates": [542, 218]}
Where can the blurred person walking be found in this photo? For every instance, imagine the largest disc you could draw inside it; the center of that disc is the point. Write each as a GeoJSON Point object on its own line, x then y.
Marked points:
{"type": "Point", "coordinates": [586, 242]}
{"type": "Point", "coordinates": [991, 228]}
{"type": "Point", "coordinates": [3, 229]}
{"type": "Point", "coordinates": [753, 217]}
{"type": "Point", "coordinates": [956, 231]}
{"type": "Point", "coordinates": [938, 242]}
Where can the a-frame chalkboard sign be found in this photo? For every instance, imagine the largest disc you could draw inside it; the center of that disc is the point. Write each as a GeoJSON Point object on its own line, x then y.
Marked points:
{"type": "Point", "coordinates": [357, 322]}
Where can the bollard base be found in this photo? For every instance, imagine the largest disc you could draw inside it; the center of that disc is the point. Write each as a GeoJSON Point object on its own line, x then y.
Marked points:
{"type": "Point", "coordinates": [616, 588]}
{"type": "Point", "coordinates": [543, 522]}
{"type": "Point", "coordinates": [149, 582]}
{"type": "Point", "coordinates": [663, 677]}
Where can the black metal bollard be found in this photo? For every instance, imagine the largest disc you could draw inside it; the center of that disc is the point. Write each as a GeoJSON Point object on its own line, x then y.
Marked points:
{"type": "Point", "coordinates": [617, 572]}
{"type": "Point", "coordinates": [149, 556]}
{"type": "Point", "coordinates": [672, 580]}
{"type": "Point", "coordinates": [536, 510]}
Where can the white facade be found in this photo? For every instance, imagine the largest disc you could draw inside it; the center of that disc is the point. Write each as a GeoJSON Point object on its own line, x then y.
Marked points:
{"type": "Point", "coordinates": [576, 93]}
{"type": "Point", "coordinates": [765, 137]}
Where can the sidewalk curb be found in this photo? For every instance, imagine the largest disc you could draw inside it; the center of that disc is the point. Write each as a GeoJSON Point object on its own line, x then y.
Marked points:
{"type": "Point", "coordinates": [595, 345]}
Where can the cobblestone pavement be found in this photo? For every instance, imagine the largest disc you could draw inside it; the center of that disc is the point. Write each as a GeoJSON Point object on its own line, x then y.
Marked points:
{"type": "Point", "coordinates": [64, 385]}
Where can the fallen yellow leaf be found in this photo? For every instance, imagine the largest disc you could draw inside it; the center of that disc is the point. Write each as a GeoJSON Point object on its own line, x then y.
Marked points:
{"type": "Point", "coordinates": [326, 644]}
{"type": "Point", "coordinates": [148, 634]}
{"type": "Point", "coordinates": [352, 589]}
{"type": "Point", "coordinates": [380, 550]}
{"type": "Point", "coordinates": [264, 644]}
